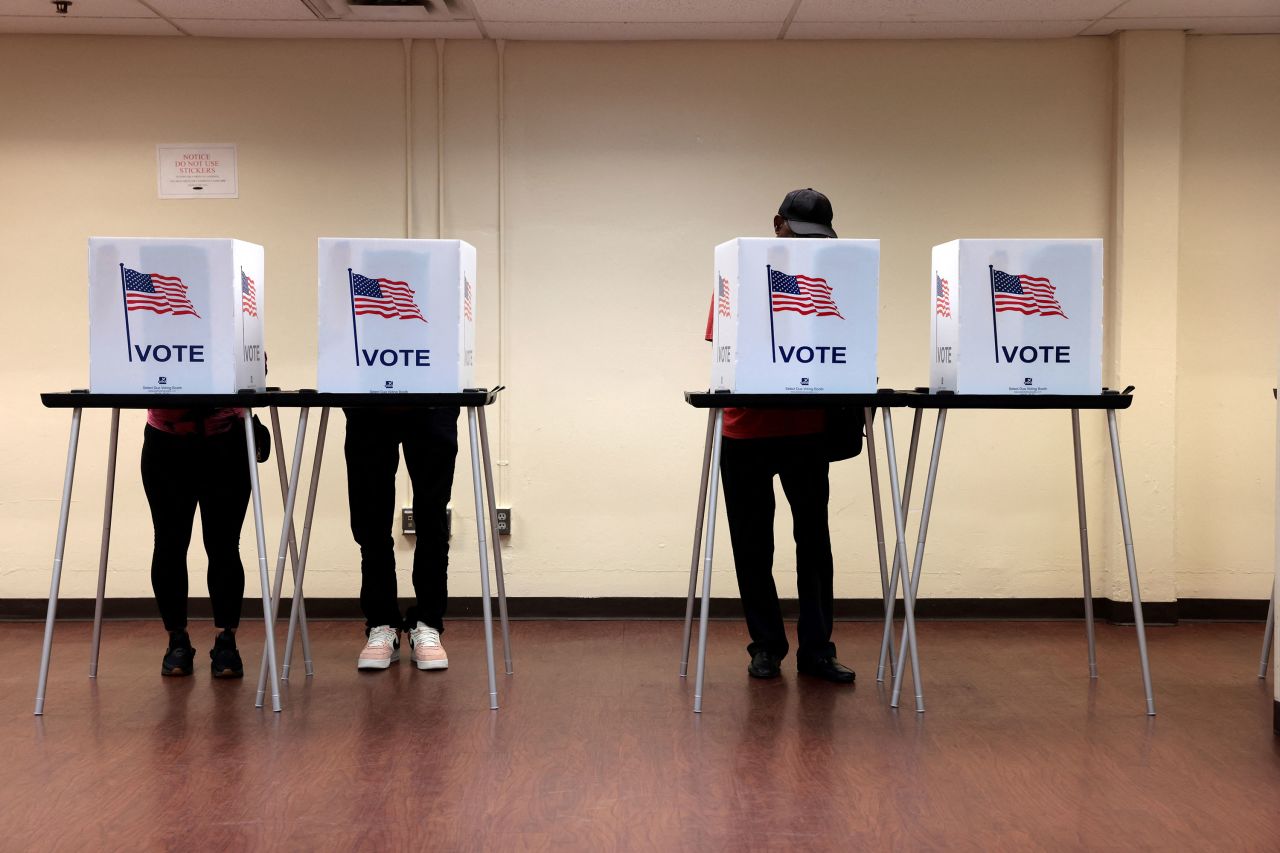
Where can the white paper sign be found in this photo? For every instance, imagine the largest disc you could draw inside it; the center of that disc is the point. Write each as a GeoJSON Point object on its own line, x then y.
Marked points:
{"type": "Point", "coordinates": [197, 171]}
{"type": "Point", "coordinates": [1016, 317]}
{"type": "Point", "coordinates": [795, 316]}
{"type": "Point", "coordinates": [396, 316]}
{"type": "Point", "coordinates": [175, 316]}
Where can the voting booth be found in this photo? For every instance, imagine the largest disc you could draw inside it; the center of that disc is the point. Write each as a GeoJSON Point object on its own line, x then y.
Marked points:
{"type": "Point", "coordinates": [175, 316]}
{"type": "Point", "coordinates": [1017, 317]}
{"type": "Point", "coordinates": [396, 316]}
{"type": "Point", "coordinates": [795, 316]}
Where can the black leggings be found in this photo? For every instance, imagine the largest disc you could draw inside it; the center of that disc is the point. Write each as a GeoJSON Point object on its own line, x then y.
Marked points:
{"type": "Point", "coordinates": [179, 473]}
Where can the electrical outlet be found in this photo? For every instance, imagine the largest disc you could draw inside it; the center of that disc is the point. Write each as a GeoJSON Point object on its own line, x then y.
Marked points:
{"type": "Point", "coordinates": [504, 521]}
{"type": "Point", "coordinates": [408, 528]}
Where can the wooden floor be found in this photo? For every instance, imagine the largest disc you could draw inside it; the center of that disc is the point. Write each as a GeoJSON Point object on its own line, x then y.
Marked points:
{"type": "Point", "coordinates": [596, 748]}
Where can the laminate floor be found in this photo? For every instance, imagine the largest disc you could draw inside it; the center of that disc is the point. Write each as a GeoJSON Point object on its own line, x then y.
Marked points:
{"type": "Point", "coordinates": [596, 748]}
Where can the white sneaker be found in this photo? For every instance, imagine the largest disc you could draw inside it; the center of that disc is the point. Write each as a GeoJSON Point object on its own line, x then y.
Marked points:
{"type": "Point", "coordinates": [381, 649]}
{"type": "Point", "coordinates": [427, 651]}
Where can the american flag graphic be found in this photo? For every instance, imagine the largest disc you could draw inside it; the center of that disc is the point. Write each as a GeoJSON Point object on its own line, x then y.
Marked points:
{"type": "Point", "coordinates": [802, 294]}
{"type": "Point", "coordinates": [723, 296]}
{"type": "Point", "coordinates": [161, 294]}
{"type": "Point", "coordinates": [248, 296]}
{"type": "Point", "coordinates": [942, 302]}
{"type": "Point", "coordinates": [383, 298]}
{"type": "Point", "coordinates": [466, 299]}
{"type": "Point", "coordinates": [1026, 294]}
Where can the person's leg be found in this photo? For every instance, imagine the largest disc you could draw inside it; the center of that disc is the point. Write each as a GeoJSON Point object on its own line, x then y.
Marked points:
{"type": "Point", "coordinates": [430, 450]}
{"type": "Point", "coordinates": [224, 489]}
{"type": "Point", "coordinates": [171, 497]}
{"type": "Point", "coordinates": [373, 455]}
{"type": "Point", "coordinates": [746, 476]}
{"type": "Point", "coordinates": [805, 483]}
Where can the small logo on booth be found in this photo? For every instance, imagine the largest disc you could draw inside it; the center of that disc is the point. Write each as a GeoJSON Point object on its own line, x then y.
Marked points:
{"type": "Point", "coordinates": [389, 384]}
{"type": "Point", "coordinates": [1026, 380]}
{"type": "Point", "coordinates": [804, 380]}
{"type": "Point", "coordinates": [163, 380]}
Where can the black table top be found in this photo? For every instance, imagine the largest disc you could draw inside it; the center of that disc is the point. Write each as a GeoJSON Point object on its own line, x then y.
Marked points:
{"type": "Point", "coordinates": [919, 398]}
{"type": "Point", "coordinates": [260, 399]}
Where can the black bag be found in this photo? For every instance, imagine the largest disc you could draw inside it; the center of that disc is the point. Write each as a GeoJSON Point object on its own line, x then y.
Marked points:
{"type": "Point", "coordinates": [842, 436]}
{"type": "Point", "coordinates": [261, 438]}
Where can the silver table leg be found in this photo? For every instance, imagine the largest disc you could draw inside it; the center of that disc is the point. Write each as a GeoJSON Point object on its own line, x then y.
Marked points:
{"type": "Point", "coordinates": [1084, 546]}
{"type": "Point", "coordinates": [899, 551]}
{"type": "Point", "coordinates": [296, 612]}
{"type": "Point", "coordinates": [497, 541]}
{"type": "Point", "coordinates": [485, 604]}
{"type": "Point", "coordinates": [874, 469]}
{"type": "Point", "coordinates": [1270, 635]}
{"type": "Point", "coordinates": [1131, 560]}
{"type": "Point", "coordinates": [297, 602]}
{"type": "Point", "coordinates": [697, 546]}
{"type": "Point", "coordinates": [59, 544]}
{"type": "Point", "coordinates": [107, 505]}
{"type": "Point", "coordinates": [708, 552]}
{"type": "Point", "coordinates": [269, 640]}
{"type": "Point", "coordinates": [286, 531]}
{"type": "Point", "coordinates": [911, 582]}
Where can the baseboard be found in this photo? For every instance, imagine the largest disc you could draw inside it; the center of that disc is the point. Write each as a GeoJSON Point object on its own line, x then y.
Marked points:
{"type": "Point", "coordinates": [846, 609]}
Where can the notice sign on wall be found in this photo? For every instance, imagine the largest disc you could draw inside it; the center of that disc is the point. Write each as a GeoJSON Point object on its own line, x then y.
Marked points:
{"type": "Point", "coordinates": [197, 171]}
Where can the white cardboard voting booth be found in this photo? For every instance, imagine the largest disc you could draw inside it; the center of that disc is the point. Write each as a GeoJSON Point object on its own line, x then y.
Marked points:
{"type": "Point", "coordinates": [1017, 317]}
{"type": "Point", "coordinates": [795, 316]}
{"type": "Point", "coordinates": [175, 315]}
{"type": "Point", "coordinates": [396, 316]}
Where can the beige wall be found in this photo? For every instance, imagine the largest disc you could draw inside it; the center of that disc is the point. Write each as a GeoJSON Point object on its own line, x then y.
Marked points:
{"type": "Point", "coordinates": [621, 166]}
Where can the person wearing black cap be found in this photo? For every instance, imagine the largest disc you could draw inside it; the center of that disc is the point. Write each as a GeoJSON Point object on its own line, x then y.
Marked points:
{"type": "Point", "coordinates": [759, 444]}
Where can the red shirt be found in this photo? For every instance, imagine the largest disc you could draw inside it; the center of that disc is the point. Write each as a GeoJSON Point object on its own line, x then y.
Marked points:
{"type": "Point", "coordinates": [767, 423]}
{"type": "Point", "coordinates": [188, 421]}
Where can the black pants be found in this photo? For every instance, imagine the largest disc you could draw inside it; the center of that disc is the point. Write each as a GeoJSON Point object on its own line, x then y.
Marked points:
{"type": "Point", "coordinates": [179, 473]}
{"type": "Point", "coordinates": [430, 441]}
{"type": "Point", "coordinates": [747, 469]}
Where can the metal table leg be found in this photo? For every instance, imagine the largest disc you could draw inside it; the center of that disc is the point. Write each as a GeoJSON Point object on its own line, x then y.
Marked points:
{"type": "Point", "coordinates": [478, 487]}
{"type": "Point", "coordinates": [107, 505]}
{"type": "Point", "coordinates": [59, 544]}
{"type": "Point", "coordinates": [1270, 635]}
{"type": "Point", "coordinates": [697, 546]}
{"type": "Point", "coordinates": [910, 582]}
{"type": "Point", "coordinates": [874, 470]}
{"type": "Point", "coordinates": [286, 530]}
{"type": "Point", "coordinates": [899, 552]}
{"type": "Point", "coordinates": [713, 485]}
{"type": "Point", "coordinates": [1084, 546]}
{"type": "Point", "coordinates": [296, 603]}
{"type": "Point", "coordinates": [497, 541]}
{"type": "Point", "coordinates": [269, 640]}
{"type": "Point", "coordinates": [1131, 560]}
{"type": "Point", "coordinates": [296, 613]}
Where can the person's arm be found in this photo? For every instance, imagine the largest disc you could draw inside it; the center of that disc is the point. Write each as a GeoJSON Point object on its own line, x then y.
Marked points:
{"type": "Point", "coordinates": [711, 318]}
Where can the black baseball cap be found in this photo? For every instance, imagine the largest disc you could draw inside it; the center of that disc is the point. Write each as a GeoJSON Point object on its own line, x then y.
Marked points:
{"type": "Point", "coordinates": [808, 212]}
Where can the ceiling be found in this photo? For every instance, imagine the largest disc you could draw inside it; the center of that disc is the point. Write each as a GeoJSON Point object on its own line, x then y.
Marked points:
{"type": "Point", "coordinates": [570, 20]}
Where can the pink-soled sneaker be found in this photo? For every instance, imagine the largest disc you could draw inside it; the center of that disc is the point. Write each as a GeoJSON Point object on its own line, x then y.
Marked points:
{"type": "Point", "coordinates": [427, 651]}
{"type": "Point", "coordinates": [381, 649]}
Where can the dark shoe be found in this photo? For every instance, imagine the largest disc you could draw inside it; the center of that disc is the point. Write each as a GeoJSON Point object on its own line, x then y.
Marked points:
{"type": "Point", "coordinates": [179, 659]}
{"type": "Point", "coordinates": [224, 659]}
{"type": "Point", "coordinates": [828, 669]}
{"type": "Point", "coordinates": [764, 665]}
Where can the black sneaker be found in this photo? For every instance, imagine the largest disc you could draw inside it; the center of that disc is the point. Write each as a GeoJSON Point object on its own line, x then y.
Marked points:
{"type": "Point", "coordinates": [224, 659]}
{"type": "Point", "coordinates": [179, 658]}
{"type": "Point", "coordinates": [828, 669]}
{"type": "Point", "coordinates": [764, 665]}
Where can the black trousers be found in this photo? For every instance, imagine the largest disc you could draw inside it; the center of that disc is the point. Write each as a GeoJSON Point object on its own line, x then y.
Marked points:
{"type": "Point", "coordinates": [180, 473]}
{"type": "Point", "coordinates": [430, 441]}
{"type": "Point", "coordinates": [747, 469]}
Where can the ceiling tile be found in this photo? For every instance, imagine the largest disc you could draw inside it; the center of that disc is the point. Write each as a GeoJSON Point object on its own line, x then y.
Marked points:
{"type": "Point", "coordinates": [241, 10]}
{"type": "Point", "coordinates": [1196, 9]}
{"type": "Point", "coordinates": [631, 11]}
{"type": "Point", "coordinates": [86, 26]}
{"type": "Point", "coordinates": [937, 30]}
{"type": "Point", "coordinates": [631, 32]}
{"type": "Point", "coordinates": [79, 9]}
{"type": "Point", "coordinates": [329, 29]}
{"type": "Point", "coordinates": [871, 11]}
{"type": "Point", "coordinates": [1195, 25]}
